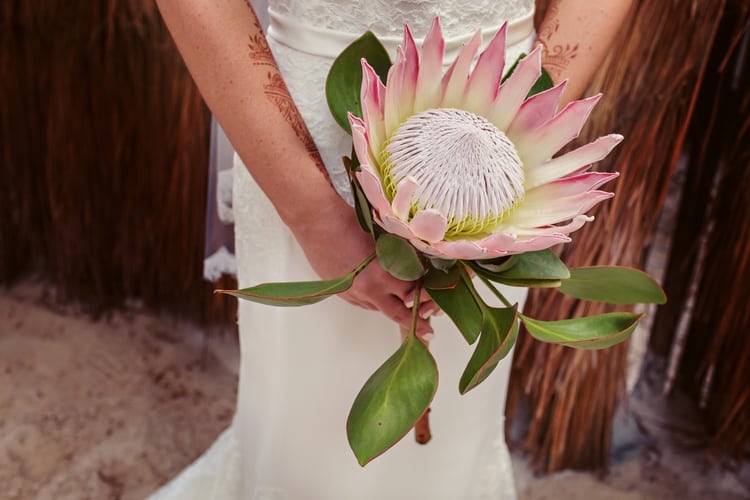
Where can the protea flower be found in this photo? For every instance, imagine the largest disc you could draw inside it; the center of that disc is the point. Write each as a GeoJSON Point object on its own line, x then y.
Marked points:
{"type": "Point", "coordinates": [461, 165]}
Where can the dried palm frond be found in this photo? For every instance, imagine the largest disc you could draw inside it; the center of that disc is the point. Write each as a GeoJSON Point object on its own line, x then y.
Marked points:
{"type": "Point", "coordinates": [104, 158]}
{"type": "Point", "coordinates": [650, 82]}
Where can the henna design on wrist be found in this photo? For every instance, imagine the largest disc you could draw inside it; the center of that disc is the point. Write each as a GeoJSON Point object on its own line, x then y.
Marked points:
{"type": "Point", "coordinates": [555, 58]}
{"type": "Point", "coordinates": [277, 92]}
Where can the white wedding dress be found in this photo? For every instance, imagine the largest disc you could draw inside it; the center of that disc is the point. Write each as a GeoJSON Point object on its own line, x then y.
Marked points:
{"type": "Point", "coordinates": [302, 367]}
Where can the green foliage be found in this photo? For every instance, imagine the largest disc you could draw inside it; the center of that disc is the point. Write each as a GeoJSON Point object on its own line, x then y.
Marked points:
{"type": "Point", "coordinates": [399, 257]}
{"type": "Point", "coordinates": [593, 332]}
{"type": "Point", "coordinates": [295, 293]}
{"type": "Point", "coordinates": [392, 400]}
{"type": "Point", "coordinates": [459, 304]}
{"type": "Point", "coordinates": [530, 269]}
{"type": "Point", "coordinates": [499, 331]}
{"type": "Point", "coordinates": [614, 285]}
{"type": "Point", "coordinates": [344, 82]}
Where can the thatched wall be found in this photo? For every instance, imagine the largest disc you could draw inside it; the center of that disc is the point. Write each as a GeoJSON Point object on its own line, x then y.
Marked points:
{"type": "Point", "coordinates": [104, 156]}
{"type": "Point", "coordinates": [650, 83]}
{"type": "Point", "coordinates": [710, 353]}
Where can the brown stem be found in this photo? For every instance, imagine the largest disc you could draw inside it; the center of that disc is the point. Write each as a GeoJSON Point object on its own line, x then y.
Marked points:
{"type": "Point", "coordinates": [422, 432]}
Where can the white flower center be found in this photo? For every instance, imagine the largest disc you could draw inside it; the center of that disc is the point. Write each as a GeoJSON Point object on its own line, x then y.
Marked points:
{"type": "Point", "coordinates": [465, 167]}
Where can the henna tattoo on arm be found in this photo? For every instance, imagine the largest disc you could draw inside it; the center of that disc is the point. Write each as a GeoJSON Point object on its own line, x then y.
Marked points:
{"type": "Point", "coordinates": [278, 94]}
{"type": "Point", "coordinates": [556, 57]}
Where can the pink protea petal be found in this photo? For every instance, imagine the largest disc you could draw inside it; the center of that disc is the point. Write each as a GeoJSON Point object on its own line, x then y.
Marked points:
{"type": "Point", "coordinates": [361, 142]}
{"type": "Point", "coordinates": [513, 92]}
{"type": "Point", "coordinates": [402, 201]}
{"type": "Point", "coordinates": [485, 78]}
{"type": "Point", "coordinates": [410, 75]}
{"type": "Point", "coordinates": [392, 113]}
{"type": "Point", "coordinates": [463, 249]}
{"type": "Point", "coordinates": [575, 224]}
{"type": "Point", "coordinates": [396, 226]}
{"type": "Point", "coordinates": [430, 70]}
{"type": "Point", "coordinates": [536, 111]}
{"type": "Point", "coordinates": [457, 77]}
{"type": "Point", "coordinates": [568, 186]}
{"type": "Point", "coordinates": [570, 162]}
{"type": "Point", "coordinates": [373, 189]}
{"type": "Point", "coordinates": [537, 213]}
{"type": "Point", "coordinates": [427, 248]}
{"type": "Point", "coordinates": [532, 244]}
{"type": "Point", "coordinates": [429, 225]}
{"type": "Point", "coordinates": [372, 98]}
{"type": "Point", "coordinates": [547, 140]}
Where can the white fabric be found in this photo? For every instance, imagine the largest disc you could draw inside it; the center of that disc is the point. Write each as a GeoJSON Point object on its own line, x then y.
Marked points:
{"type": "Point", "coordinates": [302, 367]}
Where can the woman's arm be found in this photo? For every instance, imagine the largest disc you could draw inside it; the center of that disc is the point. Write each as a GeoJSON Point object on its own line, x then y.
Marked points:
{"type": "Point", "coordinates": [225, 50]}
{"type": "Point", "coordinates": [576, 36]}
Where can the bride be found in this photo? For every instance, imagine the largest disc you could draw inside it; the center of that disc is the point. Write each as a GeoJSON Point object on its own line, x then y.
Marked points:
{"type": "Point", "coordinates": [301, 368]}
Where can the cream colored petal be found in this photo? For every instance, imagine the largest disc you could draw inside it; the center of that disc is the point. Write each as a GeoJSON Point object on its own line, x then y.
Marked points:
{"type": "Point", "coordinates": [456, 79]}
{"type": "Point", "coordinates": [570, 162]}
{"type": "Point", "coordinates": [430, 69]}
{"type": "Point", "coordinates": [514, 90]}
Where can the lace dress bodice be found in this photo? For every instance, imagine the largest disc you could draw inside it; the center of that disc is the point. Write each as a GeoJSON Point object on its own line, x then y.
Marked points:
{"type": "Point", "coordinates": [386, 17]}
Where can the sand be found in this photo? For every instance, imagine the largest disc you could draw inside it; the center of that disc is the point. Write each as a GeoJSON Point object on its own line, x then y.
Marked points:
{"type": "Point", "coordinates": [110, 408]}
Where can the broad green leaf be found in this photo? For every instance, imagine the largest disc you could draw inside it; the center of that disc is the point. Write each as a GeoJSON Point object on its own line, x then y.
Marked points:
{"type": "Point", "coordinates": [499, 331]}
{"type": "Point", "coordinates": [461, 307]}
{"type": "Point", "coordinates": [593, 332]}
{"type": "Point", "coordinates": [398, 257]}
{"type": "Point", "coordinates": [297, 293]}
{"type": "Point", "coordinates": [392, 400]}
{"type": "Point", "coordinates": [344, 81]}
{"type": "Point", "coordinates": [614, 285]}
{"type": "Point", "coordinates": [542, 269]}
{"type": "Point", "coordinates": [437, 279]}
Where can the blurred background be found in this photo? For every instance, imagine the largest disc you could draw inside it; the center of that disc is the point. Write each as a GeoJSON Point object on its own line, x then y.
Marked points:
{"type": "Point", "coordinates": [116, 358]}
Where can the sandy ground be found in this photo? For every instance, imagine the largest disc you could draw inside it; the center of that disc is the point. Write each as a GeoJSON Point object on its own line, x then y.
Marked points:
{"type": "Point", "coordinates": [110, 409]}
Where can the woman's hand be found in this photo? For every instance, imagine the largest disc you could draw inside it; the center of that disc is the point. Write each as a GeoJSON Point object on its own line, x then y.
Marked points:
{"type": "Point", "coordinates": [335, 244]}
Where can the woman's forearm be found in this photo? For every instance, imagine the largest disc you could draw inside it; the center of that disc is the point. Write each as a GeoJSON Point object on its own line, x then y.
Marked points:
{"type": "Point", "coordinates": [226, 52]}
{"type": "Point", "coordinates": [576, 36]}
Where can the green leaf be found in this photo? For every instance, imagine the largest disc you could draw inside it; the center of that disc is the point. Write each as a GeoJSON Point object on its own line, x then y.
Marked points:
{"type": "Point", "coordinates": [459, 304]}
{"type": "Point", "coordinates": [344, 81]}
{"type": "Point", "coordinates": [499, 331]}
{"type": "Point", "coordinates": [398, 257]}
{"type": "Point", "coordinates": [392, 400]}
{"type": "Point", "coordinates": [532, 269]}
{"type": "Point", "coordinates": [438, 279]}
{"type": "Point", "coordinates": [593, 332]}
{"type": "Point", "coordinates": [297, 293]}
{"type": "Point", "coordinates": [614, 285]}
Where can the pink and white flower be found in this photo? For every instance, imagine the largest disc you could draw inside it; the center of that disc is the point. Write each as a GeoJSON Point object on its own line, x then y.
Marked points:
{"type": "Point", "coordinates": [461, 165]}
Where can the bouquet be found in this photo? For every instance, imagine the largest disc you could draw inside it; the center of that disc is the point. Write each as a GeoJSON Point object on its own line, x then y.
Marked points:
{"type": "Point", "coordinates": [454, 177]}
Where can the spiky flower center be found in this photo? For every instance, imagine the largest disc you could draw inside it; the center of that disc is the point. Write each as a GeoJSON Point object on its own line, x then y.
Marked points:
{"type": "Point", "coordinates": [464, 166]}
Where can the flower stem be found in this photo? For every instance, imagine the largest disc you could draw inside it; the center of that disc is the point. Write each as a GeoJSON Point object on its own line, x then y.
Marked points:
{"type": "Point", "coordinates": [422, 433]}
{"type": "Point", "coordinates": [495, 291]}
{"type": "Point", "coordinates": [362, 265]}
